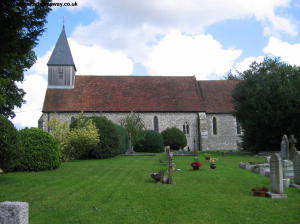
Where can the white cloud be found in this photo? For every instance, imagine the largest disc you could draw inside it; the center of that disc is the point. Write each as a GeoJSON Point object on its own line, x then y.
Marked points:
{"type": "Point", "coordinates": [199, 55]}
{"type": "Point", "coordinates": [28, 115]}
{"type": "Point", "coordinates": [190, 16]}
{"type": "Point", "coordinates": [134, 26]}
{"type": "Point", "coordinates": [245, 64]}
{"type": "Point", "coordinates": [89, 60]}
{"type": "Point", "coordinates": [96, 60]}
{"type": "Point", "coordinates": [288, 52]}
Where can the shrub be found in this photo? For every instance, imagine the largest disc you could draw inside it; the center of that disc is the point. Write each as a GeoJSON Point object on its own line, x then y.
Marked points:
{"type": "Point", "coordinates": [123, 139]}
{"type": "Point", "coordinates": [9, 152]}
{"type": "Point", "coordinates": [40, 151]}
{"type": "Point", "coordinates": [175, 138]}
{"type": "Point", "coordinates": [81, 140]}
{"type": "Point", "coordinates": [109, 144]}
{"type": "Point", "coordinates": [152, 142]}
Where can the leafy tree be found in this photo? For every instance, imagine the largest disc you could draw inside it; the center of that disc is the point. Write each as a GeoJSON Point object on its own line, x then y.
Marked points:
{"type": "Point", "coordinates": [9, 150]}
{"type": "Point", "coordinates": [174, 138]}
{"type": "Point", "coordinates": [82, 140]}
{"type": "Point", "coordinates": [134, 126]}
{"type": "Point", "coordinates": [21, 22]}
{"type": "Point", "coordinates": [152, 142]}
{"type": "Point", "coordinates": [267, 104]}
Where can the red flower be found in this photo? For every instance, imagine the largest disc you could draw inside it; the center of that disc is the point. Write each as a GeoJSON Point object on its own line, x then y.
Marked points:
{"type": "Point", "coordinates": [196, 164]}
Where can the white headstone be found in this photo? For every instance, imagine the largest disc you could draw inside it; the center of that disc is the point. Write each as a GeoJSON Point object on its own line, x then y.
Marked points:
{"type": "Point", "coordinates": [297, 168]}
{"type": "Point", "coordinates": [276, 174]}
{"type": "Point", "coordinates": [284, 147]}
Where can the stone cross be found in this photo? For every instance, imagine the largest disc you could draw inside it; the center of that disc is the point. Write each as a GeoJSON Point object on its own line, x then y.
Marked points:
{"type": "Point", "coordinates": [297, 168]}
{"type": "Point", "coordinates": [284, 148]}
{"type": "Point", "coordinates": [276, 174]}
{"type": "Point", "coordinates": [170, 165]}
{"type": "Point", "coordinates": [14, 212]}
{"type": "Point", "coordinates": [293, 148]}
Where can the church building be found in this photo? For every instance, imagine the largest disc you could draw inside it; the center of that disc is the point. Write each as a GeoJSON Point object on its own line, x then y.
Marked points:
{"type": "Point", "coordinates": [201, 109]}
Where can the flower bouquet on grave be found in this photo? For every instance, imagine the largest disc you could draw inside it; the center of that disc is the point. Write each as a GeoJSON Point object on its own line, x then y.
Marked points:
{"type": "Point", "coordinates": [213, 162]}
{"type": "Point", "coordinates": [196, 164]}
{"type": "Point", "coordinates": [207, 156]}
{"type": "Point", "coordinates": [260, 191]}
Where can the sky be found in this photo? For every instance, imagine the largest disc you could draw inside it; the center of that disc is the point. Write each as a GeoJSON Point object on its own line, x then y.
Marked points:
{"type": "Point", "coordinates": [204, 38]}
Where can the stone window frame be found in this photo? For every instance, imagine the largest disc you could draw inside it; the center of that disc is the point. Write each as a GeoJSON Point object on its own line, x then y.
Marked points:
{"type": "Point", "coordinates": [155, 124]}
{"type": "Point", "coordinates": [186, 128]}
{"type": "Point", "coordinates": [214, 126]}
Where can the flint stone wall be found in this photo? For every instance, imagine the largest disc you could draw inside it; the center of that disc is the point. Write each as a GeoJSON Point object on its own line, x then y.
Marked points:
{"type": "Point", "coordinates": [165, 120]}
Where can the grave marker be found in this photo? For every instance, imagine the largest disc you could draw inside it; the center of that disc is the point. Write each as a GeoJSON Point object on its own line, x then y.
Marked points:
{"type": "Point", "coordinates": [276, 177]}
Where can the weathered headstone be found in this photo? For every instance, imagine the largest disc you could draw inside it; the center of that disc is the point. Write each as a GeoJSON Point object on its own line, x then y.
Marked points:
{"type": "Point", "coordinates": [293, 148]}
{"type": "Point", "coordinates": [276, 177]}
{"type": "Point", "coordinates": [284, 147]}
{"type": "Point", "coordinates": [14, 212]}
{"type": "Point", "coordinates": [296, 170]}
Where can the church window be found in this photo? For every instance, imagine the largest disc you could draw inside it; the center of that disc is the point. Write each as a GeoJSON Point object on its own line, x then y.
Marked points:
{"type": "Point", "coordinates": [155, 122]}
{"type": "Point", "coordinates": [60, 73]}
{"type": "Point", "coordinates": [186, 128]}
{"type": "Point", "coordinates": [238, 127]}
{"type": "Point", "coordinates": [72, 119]}
{"type": "Point", "coordinates": [215, 128]}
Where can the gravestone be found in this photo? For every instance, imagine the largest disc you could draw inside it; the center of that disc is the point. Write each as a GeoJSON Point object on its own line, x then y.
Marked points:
{"type": "Point", "coordinates": [296, 171]}
{"type": "Point", "coordinates": [284, 147]}
{"type": "Point", "coordinates": [293, 148]}
{"type": "Point", "coordinates": [171, 164]}
{"type": "Point", "coordinates": [276, 177]}
{"type": "Point", "coordinates": [14, 212]}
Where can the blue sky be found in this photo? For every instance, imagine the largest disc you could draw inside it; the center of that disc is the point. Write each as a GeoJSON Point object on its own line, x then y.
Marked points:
{"type": "Point", "coordinates": [205, 38]}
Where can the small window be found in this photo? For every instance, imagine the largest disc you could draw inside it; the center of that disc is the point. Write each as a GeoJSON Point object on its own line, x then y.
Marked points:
{"type": "Point", "coordinates": [72, 119]}
{"type": "Point", "coordinates": [60, 75]}
{"type": "Point", "coordinates": [238, 127]}
{"type": "Point", "coordinates": [215, 128]}
{"type": "Point", "coordinates": [155, 122]}
{"type": "Point", "coordinates": [186, 128]}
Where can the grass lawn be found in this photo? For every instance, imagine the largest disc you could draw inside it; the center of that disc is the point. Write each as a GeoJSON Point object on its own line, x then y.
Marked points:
{"type": "Point", "coordinates": [120, 190]}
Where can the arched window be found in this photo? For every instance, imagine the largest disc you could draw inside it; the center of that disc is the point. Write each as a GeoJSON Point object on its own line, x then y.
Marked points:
{"type": "Point", "coordinates": [155, 122]}
{"type": "Point", "coordinates": [186, 128]}
{"type": "Point", "coordinates": [215, 128]}
{"type": "Point", "coordinates": [238, 127]}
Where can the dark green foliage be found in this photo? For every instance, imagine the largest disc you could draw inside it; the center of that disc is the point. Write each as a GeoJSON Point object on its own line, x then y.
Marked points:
{"type": "Point", "coordinates": [174, 137]}
{"type": "Point", "coordinates": [267, 104]}
{"type": "Point", "coordinates": [123, 139]}
{"type": "Point", "coordinates": [109, 141]}
{"type": "Point", "coordinates": [40, 151]}
{"type": "Point", "coordinates": [113, 137]}
{"type": "Point", "coordinates": [152, 142]}
{"type": "Point", "coordinates": [20, 24]}
{"type": "Point", "coordinates": [9, 154]}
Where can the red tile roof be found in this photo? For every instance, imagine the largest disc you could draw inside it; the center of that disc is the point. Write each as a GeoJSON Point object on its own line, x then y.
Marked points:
{"type": "Point", "coordinates": [217, 95]}
{"type": "Point", "coordinates": [126, 93]}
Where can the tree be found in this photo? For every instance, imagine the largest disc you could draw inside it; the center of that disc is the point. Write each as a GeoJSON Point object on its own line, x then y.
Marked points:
{"type": "Point", "coordinates": [134, 126]}
{"type": "Point", "coordinates": [82, 140]}
{"type": "Point", "coordinates": [267, 104]}
{"type": "Point", "coordinates": [174, 138]}
{"type": "Point", "coordinates": [9, 150]}
{"type": "Point", "coordinates": [21, 22]}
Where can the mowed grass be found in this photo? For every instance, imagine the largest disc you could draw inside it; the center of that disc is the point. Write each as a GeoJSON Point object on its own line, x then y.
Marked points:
{"type": "Point", "coordinates": [120, 190]}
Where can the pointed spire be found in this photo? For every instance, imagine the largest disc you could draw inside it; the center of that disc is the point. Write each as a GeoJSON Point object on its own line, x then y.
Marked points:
{"type": "Point", "coordinates": [61, 54]}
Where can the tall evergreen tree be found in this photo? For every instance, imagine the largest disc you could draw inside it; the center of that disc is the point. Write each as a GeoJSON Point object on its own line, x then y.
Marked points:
{"type": "Point", "coordinates": [267, 104]}
{"type": "Point", "coordinates": [21, 23]}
